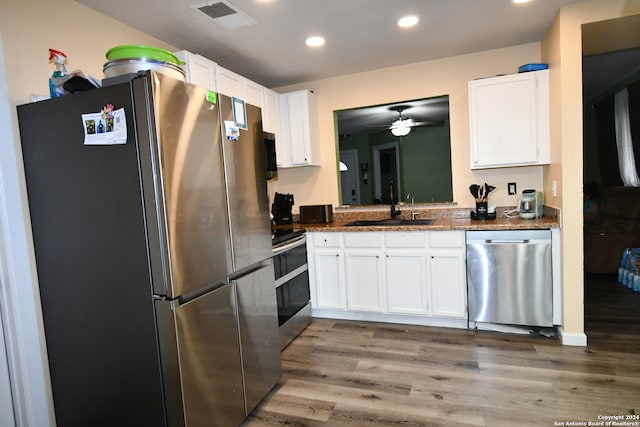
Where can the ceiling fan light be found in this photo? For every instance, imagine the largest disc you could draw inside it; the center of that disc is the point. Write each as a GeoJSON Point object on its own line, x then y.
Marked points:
{"type": "Point", "coordinates": [400, 130]}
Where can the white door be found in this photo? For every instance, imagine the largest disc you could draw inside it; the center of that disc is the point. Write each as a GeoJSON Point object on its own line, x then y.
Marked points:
{"type": "Point", "coordinates": [349, 179]}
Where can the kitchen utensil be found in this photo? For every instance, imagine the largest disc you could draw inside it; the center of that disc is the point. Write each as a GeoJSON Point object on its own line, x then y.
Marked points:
{"type": "Point", "coordinates": [136, 51]}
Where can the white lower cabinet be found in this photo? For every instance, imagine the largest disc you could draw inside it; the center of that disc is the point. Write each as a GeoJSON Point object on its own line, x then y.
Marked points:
{"type": "Point", "coordinates": [448, 278]}
{"type": "Point", "coordinates": [447, 271]}
{"type": "Point", "coordinates": [328, 277]}
{"type": "Point", "coordinates": [406, 279]}
{"type": "Point", "coordinates": [390, 276]}
{"type": "Point", "coordinates": [326, 271]}
{"type": "Point", "coordinates": [364, 279]}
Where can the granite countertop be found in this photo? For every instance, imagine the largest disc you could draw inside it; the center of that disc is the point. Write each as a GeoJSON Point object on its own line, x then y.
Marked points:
{"type": "Point", "coordinates": [445, 219]}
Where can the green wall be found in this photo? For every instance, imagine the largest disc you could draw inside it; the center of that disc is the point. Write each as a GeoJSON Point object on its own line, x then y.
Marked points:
{"type": "Point", "coordinates": [425, 162]}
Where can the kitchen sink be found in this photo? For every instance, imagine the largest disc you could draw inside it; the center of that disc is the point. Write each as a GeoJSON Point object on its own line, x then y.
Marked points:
{"type": "Point", "coordinates": [390, 222]}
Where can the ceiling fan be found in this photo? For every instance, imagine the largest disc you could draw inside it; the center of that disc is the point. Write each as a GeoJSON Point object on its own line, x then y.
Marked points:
{"type": "Point", "coordinates": [400, 126]}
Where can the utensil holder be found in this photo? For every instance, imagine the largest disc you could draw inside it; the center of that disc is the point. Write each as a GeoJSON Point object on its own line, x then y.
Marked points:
{"type": "Point", "coordinates": [481, 210]}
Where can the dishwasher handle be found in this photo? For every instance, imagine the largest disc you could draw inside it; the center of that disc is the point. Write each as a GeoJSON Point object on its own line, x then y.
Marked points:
{"type": "Point", "coordinates": [507, 241]}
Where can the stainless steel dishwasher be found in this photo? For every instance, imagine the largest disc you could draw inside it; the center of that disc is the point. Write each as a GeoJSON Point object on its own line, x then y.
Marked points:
{"type": "Point", "coordinates": [509, 277]}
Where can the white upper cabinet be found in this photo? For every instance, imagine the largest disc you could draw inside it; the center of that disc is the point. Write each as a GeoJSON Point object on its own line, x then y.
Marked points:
{"type": "Point", "coordinates": [206, 73]}
{"type": "Point", "coordinates": [229, 83]}
{"type": "Point", "coordinates": [509, 120]}
{"type": "Point", "coordinates": [198, 70]}
{"type": "Point", "coordinates": [270, 111]}
{"type": "Point", "coordinates": [254, 93]}
{"type": "Point", "coordinates": [298, 140]}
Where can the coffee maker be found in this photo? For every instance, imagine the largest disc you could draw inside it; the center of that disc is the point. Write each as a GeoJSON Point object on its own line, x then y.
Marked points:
{"type": "Point", "coordinates": [531, 204]}
{"type": "Point", "coordinates": [281, 208]}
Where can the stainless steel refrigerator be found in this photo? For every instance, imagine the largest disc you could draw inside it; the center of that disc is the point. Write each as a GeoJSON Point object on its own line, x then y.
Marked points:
{"type": "Point", "coordinates": [153, 254]}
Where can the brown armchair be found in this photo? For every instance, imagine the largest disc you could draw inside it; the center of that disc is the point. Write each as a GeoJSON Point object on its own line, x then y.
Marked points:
{"type": "Point", "coordinates": [617, 228]}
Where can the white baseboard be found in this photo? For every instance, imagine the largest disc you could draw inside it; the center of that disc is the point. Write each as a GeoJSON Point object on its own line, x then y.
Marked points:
{"type": "Point", "coordinates": [579, 340]}
{"type": "Point", "coordinates": [390, 318]}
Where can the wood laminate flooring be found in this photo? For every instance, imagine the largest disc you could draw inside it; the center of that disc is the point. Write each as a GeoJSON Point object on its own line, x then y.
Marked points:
{"type": "Point", "coordinates": [346, 373]}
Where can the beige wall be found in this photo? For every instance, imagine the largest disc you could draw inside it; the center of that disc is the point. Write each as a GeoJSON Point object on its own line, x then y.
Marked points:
{"type": "Point", "coordinates": [562, 49]}
{"type": "Point", "coordinates": [447, 76]}
{"type": "Point", "coordinates": [30, 28]}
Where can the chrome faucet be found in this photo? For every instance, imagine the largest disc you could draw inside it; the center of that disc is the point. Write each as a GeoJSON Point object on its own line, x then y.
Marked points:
{"type": "Point", "coordinates": [395, 211]}
{"type": "Point", "coordinates": [414, 214]}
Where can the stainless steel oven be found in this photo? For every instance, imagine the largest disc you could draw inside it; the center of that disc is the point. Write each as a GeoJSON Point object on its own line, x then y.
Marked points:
{"type": "Point", "coordinates": [292, 284]}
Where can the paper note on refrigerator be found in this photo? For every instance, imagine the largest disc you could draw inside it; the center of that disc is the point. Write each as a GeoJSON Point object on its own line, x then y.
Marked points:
{"type": "Point", "coordinates": [231, 130]}
{"type": "Point", "coordinates": [107, 127]}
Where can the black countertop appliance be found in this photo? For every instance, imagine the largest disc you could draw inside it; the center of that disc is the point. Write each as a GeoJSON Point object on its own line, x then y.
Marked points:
{"type": "Point", "coordinates": [281, 208]}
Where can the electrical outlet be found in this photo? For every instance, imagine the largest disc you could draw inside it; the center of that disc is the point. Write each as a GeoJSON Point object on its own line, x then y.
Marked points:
{"type": "Point", "coordinates": [511, 186]}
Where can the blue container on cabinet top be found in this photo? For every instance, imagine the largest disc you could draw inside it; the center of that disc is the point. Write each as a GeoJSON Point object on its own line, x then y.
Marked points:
{"type": "Point", "coordinates": [532, 67]}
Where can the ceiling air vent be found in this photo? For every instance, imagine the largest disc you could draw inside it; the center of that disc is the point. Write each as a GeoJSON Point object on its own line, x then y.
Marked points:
{"type": "Point", "coordinates": [225, 14]}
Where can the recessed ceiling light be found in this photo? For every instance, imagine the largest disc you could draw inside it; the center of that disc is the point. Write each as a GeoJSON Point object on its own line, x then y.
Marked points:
{"type": "Point", "coordinates": [521, 1]}
{"type": "Point", "coordinates": [315, 41]}
{"type": "Point", "coordinates": [408, 21]}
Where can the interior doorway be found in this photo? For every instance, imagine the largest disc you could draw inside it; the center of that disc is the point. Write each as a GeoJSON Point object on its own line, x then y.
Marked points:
{"type": "Point", "coordinates": [349, 178]}
{"type": "Point", "coordinates": [610, 56]}
{"type": "Point", "coordinates": [386, 170]}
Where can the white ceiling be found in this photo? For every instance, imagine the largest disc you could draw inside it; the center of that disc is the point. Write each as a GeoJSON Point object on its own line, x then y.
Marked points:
{"type": "Point", "coordinates": [360, 35]}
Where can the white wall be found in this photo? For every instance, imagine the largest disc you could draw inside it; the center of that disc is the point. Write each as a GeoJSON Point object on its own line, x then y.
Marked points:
{"type": "Point", "coordinates": [7, 418]}
{"type": "Point", "coordinates": [18, 294]}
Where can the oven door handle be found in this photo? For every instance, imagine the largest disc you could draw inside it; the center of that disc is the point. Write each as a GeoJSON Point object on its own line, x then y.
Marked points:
{"type": "Point", "coordinates": [298, 241]}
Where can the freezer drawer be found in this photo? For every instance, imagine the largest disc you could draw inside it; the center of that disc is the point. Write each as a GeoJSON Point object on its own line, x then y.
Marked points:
{"type": "Point", "coordinates": [509, 277]}
{"type": "Point", "coordinates": [259, 333]}
{"type": "Point", "coordinates": [209, 351]}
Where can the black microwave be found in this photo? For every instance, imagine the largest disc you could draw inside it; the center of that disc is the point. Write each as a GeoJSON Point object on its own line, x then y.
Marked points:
{"type": "Point", "coordinates": [270, 147]}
